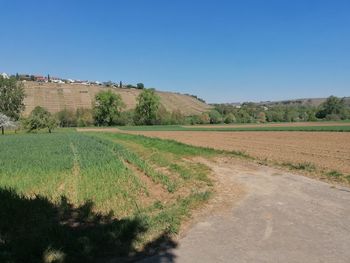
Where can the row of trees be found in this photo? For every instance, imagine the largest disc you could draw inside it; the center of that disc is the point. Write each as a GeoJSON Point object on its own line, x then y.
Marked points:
{"type": "Point", "coordinates": [332, 109]}
{"type": "Point", "coordinates": [109, 109]}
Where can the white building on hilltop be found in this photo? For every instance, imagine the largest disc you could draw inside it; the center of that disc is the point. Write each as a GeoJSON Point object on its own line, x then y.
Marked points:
{"type": "Point", "coordinates": [4, 75]}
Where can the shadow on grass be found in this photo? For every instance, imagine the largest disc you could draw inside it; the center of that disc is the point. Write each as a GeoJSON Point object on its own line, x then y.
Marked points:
{"type": "Point", "coordinates": [37, 230]}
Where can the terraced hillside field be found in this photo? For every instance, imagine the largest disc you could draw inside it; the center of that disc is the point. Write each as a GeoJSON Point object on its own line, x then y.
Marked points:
{"type": "Point", "coordinates": [56, 97]}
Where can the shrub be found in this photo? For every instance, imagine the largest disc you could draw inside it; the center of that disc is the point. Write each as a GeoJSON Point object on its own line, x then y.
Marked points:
{"type": "Point", "coordinates": [66, 118]}
{"type": "Point", "coordinates": [333, 117]}
{"type": "Point", "coordinates": [84, 117]}
{"type": "Point", "coordinates": [163, 116]}
{"type": "Point", "coordinates": [230, 118]}
{"type": "Point", "coordinates": [40, 118]}
{"type": "Point", "coordinates": [215, 117]}
{"type": "Point", "coordinates": [140, 86]}
{"type": "Point", "coordinates": [204, 118]}
{"type": "Point", "coordinates": [261, 117]}
{"type": "Point", "coordinates": [177, 117]}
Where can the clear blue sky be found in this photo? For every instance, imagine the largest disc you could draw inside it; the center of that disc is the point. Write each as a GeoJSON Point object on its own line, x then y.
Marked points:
{"type": "Point", "coordinates": [222, 51]}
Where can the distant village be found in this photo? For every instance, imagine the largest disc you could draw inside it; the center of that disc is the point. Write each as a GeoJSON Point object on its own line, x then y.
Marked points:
{"type": "Point", "coordinates": [53, 79]}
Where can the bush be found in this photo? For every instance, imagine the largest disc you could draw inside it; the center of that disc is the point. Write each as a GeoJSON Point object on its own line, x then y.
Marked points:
{"type": "Point", "coordinates": [66, 118]}
{"type": "Point", "coordinates": [40, 118]}
{"type": "Point", "coordinates": [204, 118]}
{"type": "Point", "coordinates": [333, 117]}
{"type": "Point", "coordinates": [125, 118]}
{"type": "Point", "coordinates": [215, 117]}
{"type": "Point", "coordinates": [230, 118]}
{"type": "Point", "coordinates": [140, 86]}
{"type": "Point", "coordinates": [261, 117]}
{"type": "Point", "coordinates": [177, 117]}
{"type": "Point", "coordinates": [163, 116]}
{"type": "Point", "coordinates": [84, 117]}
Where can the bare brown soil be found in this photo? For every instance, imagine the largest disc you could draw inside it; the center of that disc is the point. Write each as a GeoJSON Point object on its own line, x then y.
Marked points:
{"type": "Point", "coordinates": [326, 150]}
{"type": "Point", "coordinates": [285, 124]}
{"type": "Point", "coordinates": [56, 97]}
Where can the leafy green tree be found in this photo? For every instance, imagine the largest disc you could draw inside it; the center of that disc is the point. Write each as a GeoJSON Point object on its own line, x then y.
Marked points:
{"type": "Point", "coordinates": [215, 117]}
{"type": "Point", "coordinates": [194, 120]}
{"type": "Point", "coordinates": [107, 109]}
{"type": "Point", "coordinates": [40, 118]}
{"type": "Point", "coordinates": [291, 115]}
{"type": "Point", "coordinates": [230, 118]}
{"type": "Point", "coordinates": [243, 116]}
{"type": "Point", "coordinates": [11, 98]}
{"type": "Point", "coordinates": [140, 86]}
{"type": "Point", "coordinates": [331, 106]}
{"type": "Point", "coordinates": [148, 103]}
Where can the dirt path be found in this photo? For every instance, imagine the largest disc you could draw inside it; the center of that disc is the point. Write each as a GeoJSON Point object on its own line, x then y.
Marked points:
{"type": "Point", "coordinates": [280, 218]}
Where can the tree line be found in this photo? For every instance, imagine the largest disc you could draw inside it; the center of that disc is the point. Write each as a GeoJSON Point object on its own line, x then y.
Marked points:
{"type": "Point", "coordinates": [333, 109]}
{"type": "Point", "coordinates": [109, 109]}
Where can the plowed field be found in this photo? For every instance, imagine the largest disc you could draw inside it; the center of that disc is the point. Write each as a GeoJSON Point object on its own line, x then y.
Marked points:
{"type": "Point", "coordinates": [326, 150]}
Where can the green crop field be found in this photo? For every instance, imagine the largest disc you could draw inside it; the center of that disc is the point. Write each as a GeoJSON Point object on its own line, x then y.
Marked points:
{"type": "Point", "coordinates": [86, 196]}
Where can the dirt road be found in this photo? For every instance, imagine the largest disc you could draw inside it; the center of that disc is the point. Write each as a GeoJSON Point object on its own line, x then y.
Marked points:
{"type": "Point", "coordinates": [280, 218]}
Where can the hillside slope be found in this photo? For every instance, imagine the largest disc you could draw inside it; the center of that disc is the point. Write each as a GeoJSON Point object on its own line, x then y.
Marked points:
{"type": "Point", "coordinates": [56, 97]}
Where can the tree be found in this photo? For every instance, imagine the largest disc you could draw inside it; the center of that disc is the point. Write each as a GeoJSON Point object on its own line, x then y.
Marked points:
{"type": "Point", "coordinates": [147, 106]}
{"type": "Point", "coordinates": [230, 118]}
{"type": "Point", "coordinates": [215, 117]}
{"type": "Point", "coordinates": [107, 109]}
{"type": "Point", "coordinates": [5, 122]}
{"type": "Point", "coordinates": [11, 98]}
{"type": "Point", "coordinates": [120, 84]}
{"type": "Point", "coordinates": [140, 86]}
{"type": "Point", "coordinates": [40, 118]}
{"type": "Point", "coordinates": [332, 106]}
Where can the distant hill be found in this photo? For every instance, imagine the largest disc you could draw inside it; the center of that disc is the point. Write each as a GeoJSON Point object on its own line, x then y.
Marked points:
{"type": "Point", "coordinates": [307, 101]}
{"type": "Point", "coordinates": [56, 97]}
